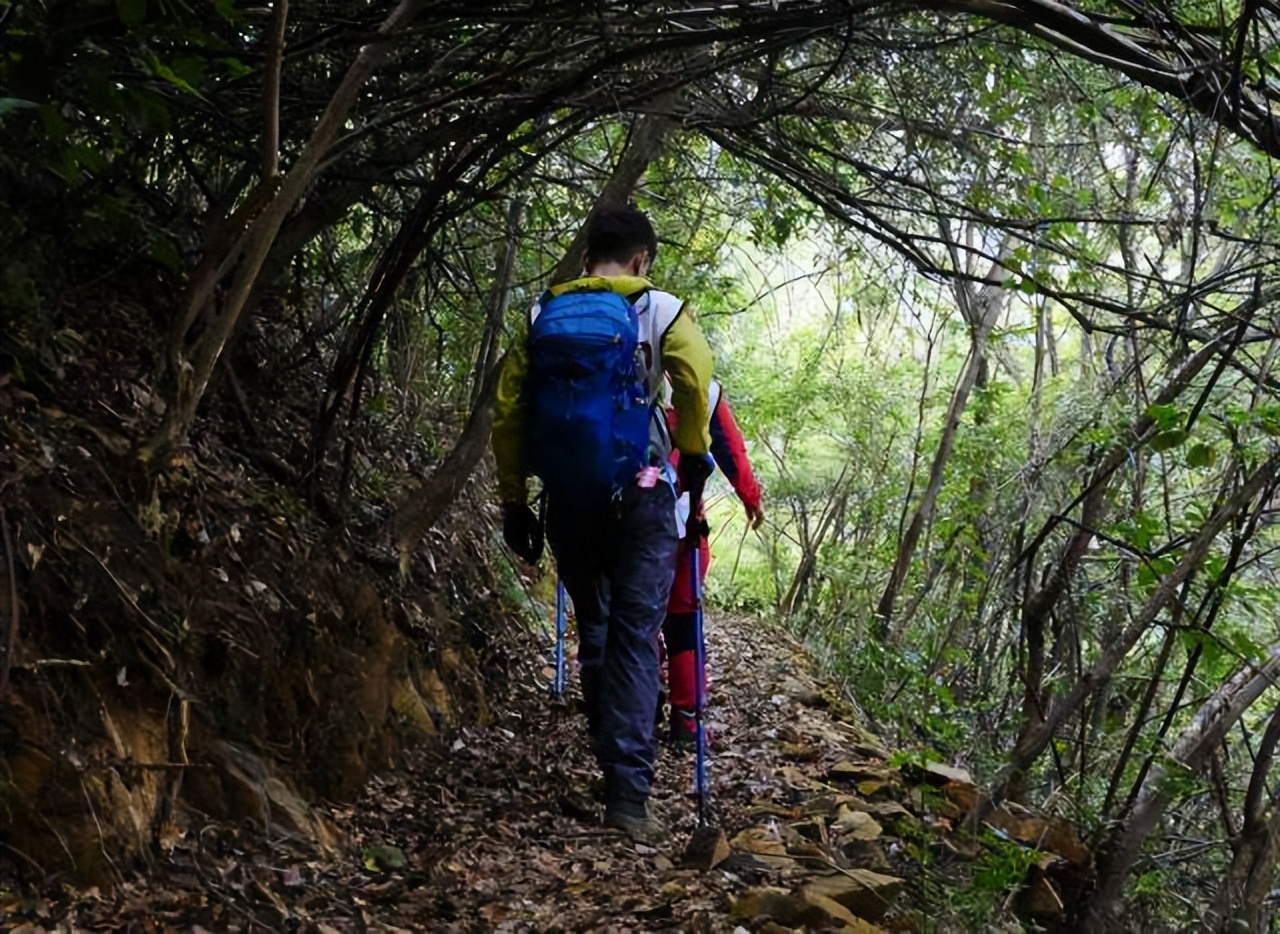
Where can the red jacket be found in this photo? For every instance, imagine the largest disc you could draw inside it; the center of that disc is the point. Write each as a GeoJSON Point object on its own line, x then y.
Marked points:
{"type": "Point", "coordinates": [727, 448]}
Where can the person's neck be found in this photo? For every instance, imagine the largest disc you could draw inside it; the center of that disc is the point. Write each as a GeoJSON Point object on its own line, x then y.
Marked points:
{"type": "Point", "coordinates": [610, 269]}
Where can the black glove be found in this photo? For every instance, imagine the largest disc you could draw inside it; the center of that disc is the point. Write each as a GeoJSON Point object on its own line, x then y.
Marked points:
{"type": "Point", "coordinates": [522, 531]}
{"type": "Point", "coordinates": [692, 474]}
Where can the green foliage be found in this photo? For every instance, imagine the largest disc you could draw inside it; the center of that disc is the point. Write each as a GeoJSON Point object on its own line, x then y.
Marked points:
{"type": "Point", "coordinates": [839, 204]}
{"type": "Point", "coordinates": [1000, 871]}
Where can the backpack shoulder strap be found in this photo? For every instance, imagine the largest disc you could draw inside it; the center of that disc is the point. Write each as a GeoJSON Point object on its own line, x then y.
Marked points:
{"type": "Point", "coordinates": [657, 310]}
{"type": "Point", "coordinates": [663, 307]}
{"type": "Point", "coordinates": [536, 308]}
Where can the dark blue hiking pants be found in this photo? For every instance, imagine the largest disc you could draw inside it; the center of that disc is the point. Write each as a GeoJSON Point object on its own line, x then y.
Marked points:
{"type": "Point", "coordinates": [617, 561]}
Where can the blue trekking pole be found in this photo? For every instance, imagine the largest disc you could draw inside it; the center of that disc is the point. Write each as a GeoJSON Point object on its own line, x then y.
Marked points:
{"type": "Point", "coordinates": [701, 780]}
{"type": "Point", "coordinates": [558, 685]}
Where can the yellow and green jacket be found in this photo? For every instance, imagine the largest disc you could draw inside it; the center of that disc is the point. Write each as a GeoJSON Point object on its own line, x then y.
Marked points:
{"type": "Point", "coordinates": [678, 350]}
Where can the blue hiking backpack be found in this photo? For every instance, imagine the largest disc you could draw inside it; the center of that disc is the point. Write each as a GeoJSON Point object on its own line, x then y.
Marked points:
{"type": "Point", "coordinates": [587, 396]}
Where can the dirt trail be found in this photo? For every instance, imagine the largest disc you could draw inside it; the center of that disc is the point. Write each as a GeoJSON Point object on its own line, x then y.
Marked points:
{"type": "Point", "coordinates": [507, 849]}
{"type": "Point", "coordinates": [486, 835]}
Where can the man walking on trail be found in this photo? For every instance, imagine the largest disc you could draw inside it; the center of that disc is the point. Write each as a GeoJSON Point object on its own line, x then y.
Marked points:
{"type": "Point", "coordinates": [577, 407]}
{"type": "Point", "coordinates": [679, 630]}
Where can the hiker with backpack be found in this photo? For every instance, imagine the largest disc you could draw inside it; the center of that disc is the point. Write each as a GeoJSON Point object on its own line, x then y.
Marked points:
{"type": "Point", "coordinates": [679, 629]}
{"type": "Point", "coordinates": [577, 407]}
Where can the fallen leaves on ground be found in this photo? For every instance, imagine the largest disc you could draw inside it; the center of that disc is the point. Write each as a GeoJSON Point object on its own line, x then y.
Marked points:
{"type": "Point", "coordinates": [498, 830]}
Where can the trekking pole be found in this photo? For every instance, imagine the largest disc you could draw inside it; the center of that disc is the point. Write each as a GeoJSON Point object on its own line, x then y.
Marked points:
{"type": "Point", "coordinates": [701, 779]}
{"type": "Point", "coordinates": [558, 685]}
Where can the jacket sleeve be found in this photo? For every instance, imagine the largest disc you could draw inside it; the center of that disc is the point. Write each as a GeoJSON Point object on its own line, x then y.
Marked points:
{"type": "Point", "coordinates": [687, 359]}
{"type": "Point", "coordinates": [730, 452]}
{"type": "Point", "coordinates": [508, 426]}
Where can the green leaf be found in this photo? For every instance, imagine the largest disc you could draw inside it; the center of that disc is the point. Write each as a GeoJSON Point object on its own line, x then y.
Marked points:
{"type": "Point", "coordinates": [162, 250]}
{"type": "Point", "coordinates": [1027, 285]}
{"type": "Point", "coordinates": [1165, 416]}
{"type": "Point", "coordinates": [1201, 455]}
{"type": "Point", "coordinates": [1245, 646]}
{"type": "Point", "coordinates": [237, 68]}
{"type": "Point", "coordinates": [1168, 439]}
{"type": "Point", "coordinates": [189, 68]}
{"type": "Point", "coordinates": [88, 157]}
{"type": "Point", "coordinates": [385, 859]}
{"type": "Point", "coordinates": [164, 72]}
{"type": "Point", "coordinates": [1154, 571]}
{"type": "Point", "coordinates": [1190, 638]}
{"type": "Point", "coordinates": [54, 124]}
{"type": "Point", "coordinates": [1269, 419]}
{"type": "Point", "coordinates": [1151, 883]}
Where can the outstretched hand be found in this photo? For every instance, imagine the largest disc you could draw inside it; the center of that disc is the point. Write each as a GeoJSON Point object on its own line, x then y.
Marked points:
{"type": "Point", "coordinates": [755, 517]}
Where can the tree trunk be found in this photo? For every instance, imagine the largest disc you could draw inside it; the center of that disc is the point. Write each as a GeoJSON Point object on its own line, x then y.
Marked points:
{"type": "Point", "coordinates": [798, 592]}
{"type": "Point", "coordinates": [192, 365]}
{"type": "Point", "coordinates": [981, 312]}
{"type": "Point", "coordinates": [1036, 737]}
{"type": "Point", "coordinates": [487, 354]}
{"type": "Point", "coordinates": [271, 90]}
{"type": "Point", "coordinates": [1038, 606]}
{"type": "Point", "coordinates": [809, 545]}
{"type": "Point", "coordinates": [1191, 752]}
{"type": "Point", "coordinates": [411, 239]}
{"type": "Point", "coordinates": [1238, 905]}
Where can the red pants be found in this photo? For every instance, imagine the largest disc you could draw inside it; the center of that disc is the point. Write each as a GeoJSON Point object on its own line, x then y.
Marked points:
{"type": "Point", "coordinates": [679, 630]}
{"type": "Point", "coordinates": [681, 600]}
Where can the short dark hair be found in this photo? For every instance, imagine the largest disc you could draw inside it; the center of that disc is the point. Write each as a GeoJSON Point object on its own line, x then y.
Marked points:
{"type": "Point", "coordinates": [618, 233]}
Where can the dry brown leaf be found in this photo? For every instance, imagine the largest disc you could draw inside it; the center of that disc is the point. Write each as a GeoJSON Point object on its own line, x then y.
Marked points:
{"type": "Point", "coordinates": [940, 774]}
{"type": "Point", "coordinates": [1053, 834]}
{"type": "Point", "coordinates": [962, 794]}
{"type": "Point", "coordinates": [830, 804]}
{"type": "Point", "coordinates": [770, 809]}
{"type": "Point", "coordinates": [849, 771]}
{"type": "Point", "coordinates": [792, 777]}
{"type": "Point", "coordinates": [883, 810]}
{"type": "Point", "coordinates": [778, 905]}
{"type": "Point", "coordinates": [672, 890]}
{"type": "Point", "coordinates": [762, 841]}
{"type": "Point", "coordinates": [800, 752]}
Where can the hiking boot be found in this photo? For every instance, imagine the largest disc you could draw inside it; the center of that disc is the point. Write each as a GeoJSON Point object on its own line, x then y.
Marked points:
{"type": "Point", "coordinates": [634, 819]}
